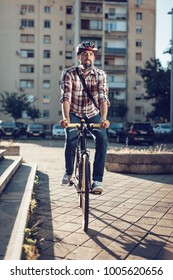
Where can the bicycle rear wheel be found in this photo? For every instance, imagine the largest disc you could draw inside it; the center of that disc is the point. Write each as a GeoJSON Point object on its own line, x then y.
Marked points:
{"type": "Point", "coordinates": [85, 191]}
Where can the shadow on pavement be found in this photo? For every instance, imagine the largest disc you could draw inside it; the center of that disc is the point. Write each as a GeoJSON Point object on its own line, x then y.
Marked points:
{"type": "Point", "coordinates": [136, 242]}
{"type": "Point", "coordinates": [42, 215]}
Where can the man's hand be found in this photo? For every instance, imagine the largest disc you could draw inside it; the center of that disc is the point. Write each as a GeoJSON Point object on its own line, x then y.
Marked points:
{"type": "Point", "coordinates": [64, 123]}
{"type": "Point", "coordinates": [104, 123]}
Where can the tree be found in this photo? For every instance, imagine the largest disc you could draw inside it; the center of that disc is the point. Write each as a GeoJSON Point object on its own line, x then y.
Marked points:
{"type": "Point", "coordinates": [13, 104]}
{"type": "Point", "coordinates": [33, 113]}
{"type": "Point", "coordinates": [157, 84]}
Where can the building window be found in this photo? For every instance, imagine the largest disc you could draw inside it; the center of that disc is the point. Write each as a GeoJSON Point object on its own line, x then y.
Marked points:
{"type": "Point", "coordinates": [46, 99]}
{"type": "Point", "coordinates": [61, 38]}
{"type": "Point", "coordinates": [69, 41]}
{"type": "Point", "coordinates": [138, 70]}
{"type": "Point", "coordinates": [47, 9]}
{"type": "Point", "coordinates": [138, 110]}
{"type": "Point", "coordinates": [46, 68]}
{"type": "Point", "coordinates": [139, 29]}
{"type": "Point", "coordinates": [46, 113]}
{"type": "Point", "coordinates": [138, 83]}
{"type": "Point", "coordinates": [27, 38]}
{"type": "Point", "coordinates": [138, 56]}
{"type": "Point", "coordinates": [26, 68]}
{"type": "Point", "coordinates": [68, 26]}
{"type": "Point", "coordinates": [27, 9]}
{"type": "Point", "coordinates": [47, 24]}
{"type": "Point", "coordinates": [69, 10]}
{"type": "Point", "coordinates": [113, 112]}
{"type": "Point", "coordinates": [96, 24]}
{"type": "Point", "coordinates": [27, 53]}
{"type": "Point", "coordinates": [60, 52]}
{"type": "Point", "coordinates": [113, 95]}
{"type": "Point", "coordinates": [111, 79]}
{"type": "Point", "coordinates": [26, 84]}
{"type": "Point", "coordinates": [89, 8]}
{"type": "Point", "coordinates": [68, 55]}
{"type": "Point", "coordinates": [27, 23]}
{"type": "Point", "coordinates": [91, 24]}
{"type": "Point", "coordinates": [46, 84]}
{"type": "Point", "coordinates": [138, 43]}
{"type": "Point", "coordinates": [112, 11]}
{"type": "Point", "coordinates": [138, 16]}
{"type": "Point", "coordinates": [46, 54]}
{"type": "Point", "coordinates": [46, 39]}
{"type": "Point", "coordinates": [138, 2]}
{"type": "Point", "coordinates": [110, 26]}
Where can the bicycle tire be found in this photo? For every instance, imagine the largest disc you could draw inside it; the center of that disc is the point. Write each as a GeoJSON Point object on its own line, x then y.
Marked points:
{"type": "Point", "coordinates": [85, 191]}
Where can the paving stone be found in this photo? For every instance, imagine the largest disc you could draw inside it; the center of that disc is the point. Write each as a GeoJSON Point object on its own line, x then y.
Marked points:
{"type": "Point", "coordinates": [132, 219]}
{"type": "Point", "coordinates": [83, 253]}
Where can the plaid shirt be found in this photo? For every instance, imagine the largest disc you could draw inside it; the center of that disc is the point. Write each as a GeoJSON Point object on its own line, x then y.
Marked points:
{"type": "Point", "coordinates": [73, 92]}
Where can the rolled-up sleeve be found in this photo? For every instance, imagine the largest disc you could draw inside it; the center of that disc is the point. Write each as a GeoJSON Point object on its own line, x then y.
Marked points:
{"type": "Point", "coordinates": [65, 87]}
{"type": "Point", "coordinates": [103, 88]}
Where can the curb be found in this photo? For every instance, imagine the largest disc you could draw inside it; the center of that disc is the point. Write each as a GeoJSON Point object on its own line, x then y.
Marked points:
{"type": "Point", "coordinates": [14, 248]}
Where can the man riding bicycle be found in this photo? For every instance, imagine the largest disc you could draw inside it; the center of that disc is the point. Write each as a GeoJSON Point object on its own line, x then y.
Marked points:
{"type": "Point", "coordinates": [77, 104]}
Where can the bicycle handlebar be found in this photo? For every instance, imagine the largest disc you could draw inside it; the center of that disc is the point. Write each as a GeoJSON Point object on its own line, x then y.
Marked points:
{"type": "Point", "coordinates": [87, 124]}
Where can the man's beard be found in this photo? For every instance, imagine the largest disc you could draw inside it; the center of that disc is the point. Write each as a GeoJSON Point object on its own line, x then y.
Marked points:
{"type": "Point", "coordinates": [87, 66]}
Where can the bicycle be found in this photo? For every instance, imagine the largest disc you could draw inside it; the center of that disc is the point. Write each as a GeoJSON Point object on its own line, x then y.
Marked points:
{"type": "Point", "coordinates": [82, 170]}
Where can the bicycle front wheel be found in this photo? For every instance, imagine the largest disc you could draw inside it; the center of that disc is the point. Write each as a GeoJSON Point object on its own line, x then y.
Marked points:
{"type": "Point", "coordinates": [85, 191]}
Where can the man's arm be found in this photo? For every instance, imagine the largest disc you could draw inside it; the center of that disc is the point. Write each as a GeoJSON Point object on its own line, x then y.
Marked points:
{"type": "Point", "coordinates": [104, 109]}
{"type": "Point", "coordinates": [65, 113]}
{"type": "Point", "coordinates": [66, 110]}
{"type": "Point", "coordinates": [103, 112]}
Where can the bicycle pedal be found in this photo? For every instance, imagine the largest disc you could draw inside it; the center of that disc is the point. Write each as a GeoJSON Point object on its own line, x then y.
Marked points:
{"type": "Point", "coordinates": [96, 192]}
{"type": "Point", "coordinates": [71, 183]}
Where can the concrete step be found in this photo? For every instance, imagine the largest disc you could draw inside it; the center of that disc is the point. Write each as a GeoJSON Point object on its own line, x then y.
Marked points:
{"type": "Point", "coordinates": [14, 205]}
{"type": "Point", "coordinates": [2, 153]}
{"type": "Point", "coordinates": [8, 166]}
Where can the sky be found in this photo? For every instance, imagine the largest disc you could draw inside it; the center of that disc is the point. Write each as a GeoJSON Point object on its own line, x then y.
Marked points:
{"type": "Point", "coordinates": [163, 29]}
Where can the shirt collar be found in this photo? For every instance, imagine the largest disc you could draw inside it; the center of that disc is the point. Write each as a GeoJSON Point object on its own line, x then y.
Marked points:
{"type": "Point", "coordinates": [90, 71]}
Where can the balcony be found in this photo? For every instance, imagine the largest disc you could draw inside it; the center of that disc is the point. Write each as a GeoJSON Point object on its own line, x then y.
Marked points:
{"type": "Point", "coordinates": [114, 51]}
{"type": "Point", "coordinates": [115, 68]}
{"type": "Point", "coordinates": [118, 17]}
{"type": "Point", "coordinates": [118, 85]}
{"type": "Point", "coordinates": [117, 1]}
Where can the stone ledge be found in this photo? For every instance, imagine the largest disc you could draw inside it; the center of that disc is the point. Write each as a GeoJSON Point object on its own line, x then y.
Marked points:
{"type": "Point", "coordinates": [11, 150]}
{"type": "Point", "coordinates": [154, 163]}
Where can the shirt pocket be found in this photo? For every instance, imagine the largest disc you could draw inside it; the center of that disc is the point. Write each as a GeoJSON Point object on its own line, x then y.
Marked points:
{"type": "Point", "coordinates": [77, 88]}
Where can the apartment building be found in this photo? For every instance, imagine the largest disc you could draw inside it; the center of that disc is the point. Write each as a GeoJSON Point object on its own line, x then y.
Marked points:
{"type": "Point", "coordinates": [39, 37]}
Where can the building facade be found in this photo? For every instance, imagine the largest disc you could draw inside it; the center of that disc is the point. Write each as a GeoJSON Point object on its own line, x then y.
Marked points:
{"type": "Point", "coordinates": [39, 38]}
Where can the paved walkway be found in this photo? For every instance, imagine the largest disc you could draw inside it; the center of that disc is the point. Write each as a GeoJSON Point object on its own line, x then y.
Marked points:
{"type": "Point", "coordinates": [132, 219]}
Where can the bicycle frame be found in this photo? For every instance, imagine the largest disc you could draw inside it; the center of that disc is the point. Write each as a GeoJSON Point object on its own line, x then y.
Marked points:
{"type": "Point", "coordinates": [82, 180]}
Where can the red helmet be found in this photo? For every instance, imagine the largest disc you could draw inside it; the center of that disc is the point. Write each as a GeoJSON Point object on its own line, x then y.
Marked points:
{"type": "Point", "coordinates": [86, 46]}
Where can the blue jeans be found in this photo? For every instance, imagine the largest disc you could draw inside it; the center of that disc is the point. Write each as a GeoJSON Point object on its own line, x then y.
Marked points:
{"type": "Point", "coordinates": [101, 143]}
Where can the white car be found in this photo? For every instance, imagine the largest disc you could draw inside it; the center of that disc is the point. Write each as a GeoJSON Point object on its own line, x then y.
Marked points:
{"type": "Point", "coordinates": [162, 128]}
{"type": "Point", "coordinates": [58, 131]}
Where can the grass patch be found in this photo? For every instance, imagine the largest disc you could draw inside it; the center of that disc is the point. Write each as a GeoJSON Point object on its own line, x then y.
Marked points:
{"type": "Point", "coordinates": [31, 244]}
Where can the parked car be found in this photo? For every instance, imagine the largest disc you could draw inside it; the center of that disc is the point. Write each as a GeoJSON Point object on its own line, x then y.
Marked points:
{"type": "Point", "coordinates": [22, 128]}
{"type": "Point", "coordinates": [114, 129]}
{"type": "Point", "coordinates": [162, 128]}
{"type": "Point", "coordinates": [58, 131]}
{"type": "Point", "coordinates": [137, 132]}
{"type": "Point", "coordinates": [8, 129]}
{"type": "Point", "coordinates": [35, 130]}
